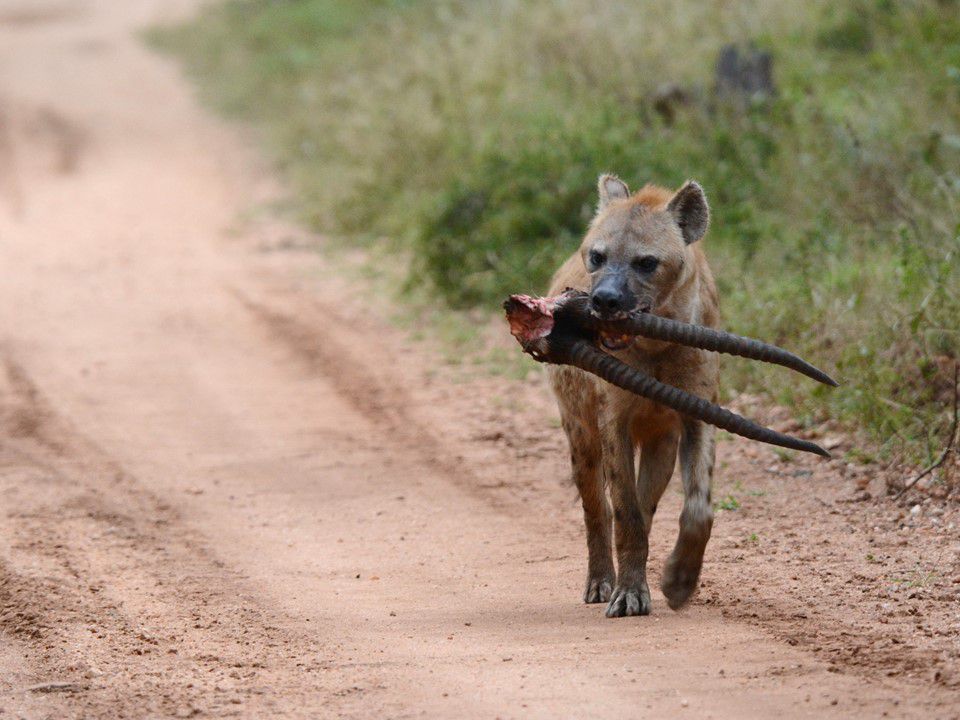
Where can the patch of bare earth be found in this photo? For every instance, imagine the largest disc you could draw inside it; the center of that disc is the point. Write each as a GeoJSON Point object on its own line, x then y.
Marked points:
{"type": "Point", "coordinates": [87, 593]}
{"type": "Point", "coordinates": [816, 552]}
{"type": "Point", "coordinates": [230, 488]}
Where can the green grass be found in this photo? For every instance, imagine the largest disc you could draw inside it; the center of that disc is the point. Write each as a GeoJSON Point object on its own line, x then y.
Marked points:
{"type": "Point", "coordinates": [917, 578]}
{"type": "Point", "coordinates": [470, 135]}
{"type": "Point", "coordinates": [728, 503]}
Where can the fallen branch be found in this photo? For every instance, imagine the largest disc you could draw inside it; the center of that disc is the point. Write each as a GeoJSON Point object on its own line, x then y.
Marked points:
{"type": "Point", "coordinates": [951, 441]}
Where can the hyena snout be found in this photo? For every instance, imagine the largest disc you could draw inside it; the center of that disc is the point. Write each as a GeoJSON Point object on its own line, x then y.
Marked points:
{"type": "Point", "coordinates": [611, 297]}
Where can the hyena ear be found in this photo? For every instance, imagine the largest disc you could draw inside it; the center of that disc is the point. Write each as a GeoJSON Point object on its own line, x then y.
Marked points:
{"type": "Point", "coordinates": [610, 188]}
{"type": "Point", "coordinates": [689, 208]}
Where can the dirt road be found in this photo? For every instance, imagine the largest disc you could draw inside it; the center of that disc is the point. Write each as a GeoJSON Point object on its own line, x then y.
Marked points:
{"type": "Point", "coordinates": [229, 487]}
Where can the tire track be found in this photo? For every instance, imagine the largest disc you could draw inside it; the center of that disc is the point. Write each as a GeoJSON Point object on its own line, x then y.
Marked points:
{"type": "Point", "coordinates": [86, 585]}
{"type": "Point", "coordinates": [374, 389]}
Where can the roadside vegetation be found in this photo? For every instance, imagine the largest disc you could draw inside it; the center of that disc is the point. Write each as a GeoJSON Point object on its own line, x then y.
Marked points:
{"type": "Point", "coordinates": [468, 137]}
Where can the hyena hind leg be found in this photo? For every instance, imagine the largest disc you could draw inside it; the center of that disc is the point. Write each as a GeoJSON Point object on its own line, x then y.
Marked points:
{"type": "Point", "coordinates": [682, 572]}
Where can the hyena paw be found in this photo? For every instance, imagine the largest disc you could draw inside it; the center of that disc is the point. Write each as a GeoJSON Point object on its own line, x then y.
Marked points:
{"type": "Point", "coordinates": [598, 589]}
{"type": "Point", "coordinates": [629, 600]}
{"type": "Point", "coordinates": [680, 578]}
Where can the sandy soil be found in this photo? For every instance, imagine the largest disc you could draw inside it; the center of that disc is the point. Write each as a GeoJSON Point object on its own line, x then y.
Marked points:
{"type": "Point", "coordinates": [229, 487]}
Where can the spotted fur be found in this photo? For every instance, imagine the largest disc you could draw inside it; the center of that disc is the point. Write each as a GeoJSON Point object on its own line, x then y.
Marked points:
{"type": "Point", "coordinates": [607, 427]}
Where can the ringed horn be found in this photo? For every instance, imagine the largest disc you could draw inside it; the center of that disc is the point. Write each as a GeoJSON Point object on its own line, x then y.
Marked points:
{"type": "Point", "coordinates": [660, 328]}
{"type": "Point", "coordinates": [562, 331]}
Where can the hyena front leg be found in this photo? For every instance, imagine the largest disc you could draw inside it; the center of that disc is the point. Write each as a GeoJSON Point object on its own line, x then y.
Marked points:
{"type": "Point", "coordinates": [682, 571]}
{"type": "Point", "coordinates": [631, 596]}
{"type": "Point", "coordinates": [585, 456]}
{"type": "Point", "coordinates": [585, 461]}
{"type": "Point", "coordinates": [658, 458]}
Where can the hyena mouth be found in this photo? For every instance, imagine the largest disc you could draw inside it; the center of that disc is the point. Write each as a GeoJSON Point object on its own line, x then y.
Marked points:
{"type": "Point", "coordinates": [615, 342]}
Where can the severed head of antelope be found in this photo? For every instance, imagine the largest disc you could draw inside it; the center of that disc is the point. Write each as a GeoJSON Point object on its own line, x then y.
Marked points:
{"type": "Point", "coordinates": [565, 330]}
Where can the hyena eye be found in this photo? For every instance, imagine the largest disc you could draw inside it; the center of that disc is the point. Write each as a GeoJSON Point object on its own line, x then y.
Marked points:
{"type": "Point", "coordinates": [597, 259]}
{"type": "Point", "coordinates": [646, 264]}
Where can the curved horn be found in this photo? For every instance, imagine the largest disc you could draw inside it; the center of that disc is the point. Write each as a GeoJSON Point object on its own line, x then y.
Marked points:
{"type": "Point", "coordinates": [583, 355]}
{"type": "Point", "coordinates": [660, 328]}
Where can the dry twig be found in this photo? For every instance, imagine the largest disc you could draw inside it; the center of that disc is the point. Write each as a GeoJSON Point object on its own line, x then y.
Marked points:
{"type": "Point", "coordinates": [951, 441]}
{"type": "Point", "coordinates": [53, 687]}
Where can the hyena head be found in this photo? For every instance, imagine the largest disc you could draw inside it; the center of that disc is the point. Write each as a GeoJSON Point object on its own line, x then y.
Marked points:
{"type": "Point", "coordinates": [637, 250]}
